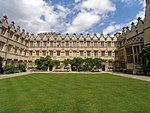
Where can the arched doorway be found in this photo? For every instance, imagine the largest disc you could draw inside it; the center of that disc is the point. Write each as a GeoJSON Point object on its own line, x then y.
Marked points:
{"type": "Point", "coordinates": [103, 68]}
{"type": "Point", "coordinates": [50, 68]}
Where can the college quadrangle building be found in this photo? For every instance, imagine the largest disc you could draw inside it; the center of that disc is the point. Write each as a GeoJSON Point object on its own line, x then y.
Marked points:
{"type": "Point", "coordinates": [121, 51]}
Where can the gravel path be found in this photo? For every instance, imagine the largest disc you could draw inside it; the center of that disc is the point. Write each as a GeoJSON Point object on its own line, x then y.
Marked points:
{"type": "Point", "coordinates": [144, 78]}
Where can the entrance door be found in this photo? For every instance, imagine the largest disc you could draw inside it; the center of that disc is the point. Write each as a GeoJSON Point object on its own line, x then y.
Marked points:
{"type": "Point", "coordinates": [103, 68]}
{"type": "Point", "coordinates": [51, 68]}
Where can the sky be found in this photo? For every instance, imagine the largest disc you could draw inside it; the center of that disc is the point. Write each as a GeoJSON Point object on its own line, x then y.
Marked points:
{"type": "Point", "coordinates": [73, 16]}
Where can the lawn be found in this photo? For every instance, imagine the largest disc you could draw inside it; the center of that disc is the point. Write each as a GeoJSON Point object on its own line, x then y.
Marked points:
{"type": "Point", "coordinates": [74, 93]}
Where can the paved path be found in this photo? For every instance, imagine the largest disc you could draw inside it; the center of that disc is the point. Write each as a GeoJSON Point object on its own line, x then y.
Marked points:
{"type": "Point", "coordinates": [14, 75]}
{"type": "Point", "coordinates": [144, 78]}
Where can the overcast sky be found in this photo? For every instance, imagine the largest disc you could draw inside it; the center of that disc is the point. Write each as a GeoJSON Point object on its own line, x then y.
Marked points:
{"type": "Point", "coordinates": [73, 16]}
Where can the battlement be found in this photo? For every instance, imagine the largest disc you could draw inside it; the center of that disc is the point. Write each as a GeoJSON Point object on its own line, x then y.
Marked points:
{"type": "Point", "coordinates": [133, 31]}
{"type": "Point", "coordinates": [6, 29]}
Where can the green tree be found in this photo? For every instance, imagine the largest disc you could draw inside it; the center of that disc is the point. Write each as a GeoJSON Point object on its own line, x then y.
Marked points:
{"type": "Point", "coordinates": [146, 57]}
{"type": "Point", "coordinates": [43, 63]}
{"type": "Point", "coordinates": [9, 69]}
{"type": "Point", "coordinates": [56, 63]}
{"type": "Point", "coordinates": [21, 68]}
{"type": "Point", "coordinates": [76, 63]}
{"type": "Point", "coordinates": [98, 63]}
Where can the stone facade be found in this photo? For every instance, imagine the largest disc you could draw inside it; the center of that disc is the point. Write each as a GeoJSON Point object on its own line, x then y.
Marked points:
{"type": "Point", "coordinates": [122, 50]}
{"type": "Point", "coordinates": [18, 47]}
{"type": "Point", "coordinates": [131, 42]}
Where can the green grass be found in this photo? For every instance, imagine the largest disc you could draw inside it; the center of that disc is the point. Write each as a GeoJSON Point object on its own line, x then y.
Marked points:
{"type": "Point", "coordinates": [74, 93]}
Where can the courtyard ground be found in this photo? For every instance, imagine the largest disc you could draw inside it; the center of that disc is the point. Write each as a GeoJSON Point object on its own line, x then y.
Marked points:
{"type": "Point", "coordinates": [74, 93]}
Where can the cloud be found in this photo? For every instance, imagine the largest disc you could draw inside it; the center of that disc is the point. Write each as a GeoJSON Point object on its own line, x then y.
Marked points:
{"type": "Point", "coordinates": [98, 6]}
{"type": "Point", "coordinates": [27, 13]}
{"type": "Point", "coordinates": [82, 22]}
{"type": "Point", "coordinates": [91, 12]}
{"type": "Point", "coordinates": [112, 28]}
{"type": "Point", "coordinates": [132, 2]}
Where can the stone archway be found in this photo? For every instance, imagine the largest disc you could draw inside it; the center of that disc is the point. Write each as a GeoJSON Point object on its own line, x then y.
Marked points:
{"type": "Point", "coordinates": [103, 68]}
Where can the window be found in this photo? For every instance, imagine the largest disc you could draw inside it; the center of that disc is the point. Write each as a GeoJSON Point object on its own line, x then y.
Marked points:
{"type": "Point", "coordinates": [30, 53]}
{"type": "Point", "coordinates": [74, 53]}
{"type": "Point", "coordinates": [26, 43]}
{"type": "Point", "coordinates": [81, 53]}
{"type": "Point", "coordinates": [25, 53]}
{"type": "Point", "coordinates": [95, 43]}
{"type": "Point", "coordinates": [88, 53]}
{"type": "Point", "coordinates": [31, 44]}
{"type": "Point", "coordinates": [67, 53]}
{"type": "Point", "coordinates": [51, 43]}
{"type": "Point", "coordinates": [129, 55]}
{"type": "Point", "coordinates": [109, 53]}
{"type": "Point", "coordinates": [58, 53]}
{"type": "Point", "coordinates": [20, 51]}
{"type": "Point", "coordinates": [51, 53]}
{"type": "Point", "coordinates": [67, 44]}
{"type": "Point", "coordinates": [102, 43]}
{"type": "Point", "coordinates": [9, 48]}
{"type": "Point", "coordinates": [38, 43]}
{"type": "Point", "coordinates": [88, 43]}
{"type": "Point", "coordinates": [44, 53]}
{"type": "Point", "coordinates": [37, 53]}
{"type": "Point", "coordinates": [1, 46]}
{"type": "Point", "coordinates": [44, 43]}
{"type": "Point", "coordinates": [81, 43]}
{"type": "Point", "coordinates": [95, 53]}
{"type": "Point", "coordinates": [58, 44]}
{"type": "Point", "coordinates": [15, 51]}
{"type": "Point", "coordinates": [103, 53]}
{"type": "Point", "coordinates": [109, 43]}
{"type": "Point", "coordinates": [137, 57]}
{"type": "Point", "coordinates": [115, 44]}
{"type": "Point", "coordinates": [74, 44]}
{"type": "Point", "coordinates": [17, 37]}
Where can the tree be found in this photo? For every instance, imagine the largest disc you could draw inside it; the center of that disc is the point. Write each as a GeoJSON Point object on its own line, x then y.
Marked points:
{"type": "Point", "coordinates": [56, 63]}
{"type": "Point", "coordinates": [21, 68]}
{"type": "Point", "coordinates": [43, 63]}
{"type": "Point", "coordinates": [146, 57]}
{"type": "Point", "coordinates": [76, 63]}
{"type": "Point", "coordinates": [67, 62]}
{"type": "Point", "coordinates": [87, 64]}
{"type": "Point", "coordinates": [98, 63]}
{"type": "Point", "coordinates": [9, 69]}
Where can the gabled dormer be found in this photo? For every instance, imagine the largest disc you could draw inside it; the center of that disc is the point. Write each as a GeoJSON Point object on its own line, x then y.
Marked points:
{"type": "Point", "coordinates": [74, 38]}
{"type": "Point", "coordinates": [108, 38]}
{"type": "Point", "coordinates": [12, 26]}
{"type": "Point", "coordinates": [67, 38]}
{"type": "Point", "coordinates": [38, 38]}
{"type": "Point", "coordinates": [88, 37]}
{"type": "Point", "coordinates": [133, 27]}
{"type": "Point", "coordinates": [81, 37]}
{"type": "Point", "coordinates": [140, 25]}
{"type": "Point", "coordinates": [45, 37]}
{"type": "Point", "coordinates": [102, 38]}
{"type": "Point", "coordinates": [95, 37]}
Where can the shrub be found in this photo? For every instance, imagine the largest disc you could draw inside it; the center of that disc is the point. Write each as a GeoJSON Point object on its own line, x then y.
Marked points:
{"type": "Point", "coordinates": [9, 69]}
{"type": "Point", "coordinates": [21, 68]}
{"type": "Point", "coordinates": [129, 71]}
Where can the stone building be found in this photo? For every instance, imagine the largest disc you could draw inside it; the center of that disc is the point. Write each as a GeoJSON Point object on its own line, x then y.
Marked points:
{"type": "Point", "coordinates": [121, 51]}
{"type": "Point", "coordinates": [131, 42]}
{"type": "Point", "coordinates": [18, 47]}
